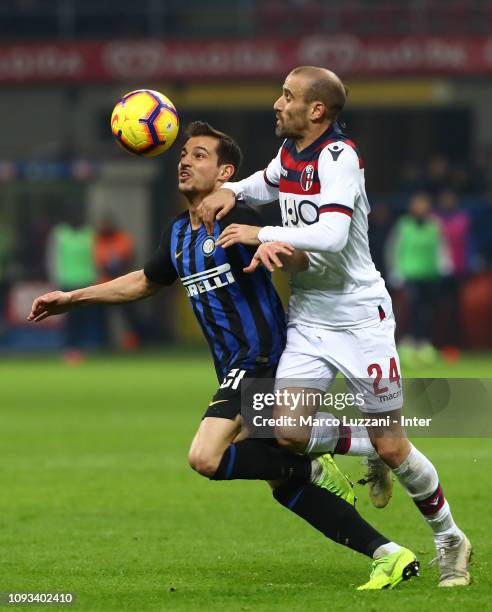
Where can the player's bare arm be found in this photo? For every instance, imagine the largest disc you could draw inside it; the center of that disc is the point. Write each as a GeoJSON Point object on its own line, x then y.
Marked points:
{"type": "Point", "coordinates": [238, 233]}
{"type": "Point", "coordinates": [279, 255]}
{"type": "Point", "coordinates": [128, 288]}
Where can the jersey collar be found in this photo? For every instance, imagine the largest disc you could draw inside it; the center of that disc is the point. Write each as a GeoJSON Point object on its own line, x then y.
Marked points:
{"type": "Point", "coordinates": [334, 131]}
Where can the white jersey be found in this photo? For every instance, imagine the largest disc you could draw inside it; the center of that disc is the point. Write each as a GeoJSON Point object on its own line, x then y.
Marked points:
{"type": "Point", "coordinates": [324, 208]}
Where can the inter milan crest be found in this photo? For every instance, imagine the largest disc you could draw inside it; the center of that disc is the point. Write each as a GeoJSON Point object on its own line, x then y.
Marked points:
{"type": "Point", "coordinates": [208, 246]}
{"type": "Point", "coordinates": [307, 177]}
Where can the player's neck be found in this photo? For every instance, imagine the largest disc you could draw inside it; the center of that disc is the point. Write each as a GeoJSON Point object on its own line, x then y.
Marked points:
{"type": "Point", "coordinates": [313, 134]}
{"type": "Point", "coordinates": [195, 219]}
{"type": "Point", "coordinates": [194, 202]}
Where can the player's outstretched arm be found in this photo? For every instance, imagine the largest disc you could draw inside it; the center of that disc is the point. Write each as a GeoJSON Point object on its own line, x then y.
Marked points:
{"type": "Point", "coordinates": [127, 288]}
{"type": "Point", "coordinates": [279, 255]}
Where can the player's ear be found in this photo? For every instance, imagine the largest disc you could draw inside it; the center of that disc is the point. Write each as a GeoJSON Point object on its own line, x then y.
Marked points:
{"type": "Point", "coordinates": [226, 172]}
{"type": "Point", "coordinates": [318, 111]}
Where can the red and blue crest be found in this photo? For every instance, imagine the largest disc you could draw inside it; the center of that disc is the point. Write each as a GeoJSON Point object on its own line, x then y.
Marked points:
{"type": "Point", "coordinates": [307, 177]}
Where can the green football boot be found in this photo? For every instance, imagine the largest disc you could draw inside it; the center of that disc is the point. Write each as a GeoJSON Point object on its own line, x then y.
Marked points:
{"type": "Point", "coordinates": [388, 571]}
{"type": "Point", "coordinates": [331, 478]}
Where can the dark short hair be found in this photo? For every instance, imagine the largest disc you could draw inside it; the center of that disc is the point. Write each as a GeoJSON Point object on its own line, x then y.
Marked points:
{"type": "Point", "coordinates": [228, 152]}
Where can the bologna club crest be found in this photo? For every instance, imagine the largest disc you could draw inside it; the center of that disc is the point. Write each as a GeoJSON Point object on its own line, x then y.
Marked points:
{"type": "Point", "coordinates": [307, 177]}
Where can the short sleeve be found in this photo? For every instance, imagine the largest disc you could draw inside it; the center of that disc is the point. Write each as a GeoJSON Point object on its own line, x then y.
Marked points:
{"type": "Point", "coordinates": [339, 175]}
{"type": "Point", "coordinates": [159, 268]}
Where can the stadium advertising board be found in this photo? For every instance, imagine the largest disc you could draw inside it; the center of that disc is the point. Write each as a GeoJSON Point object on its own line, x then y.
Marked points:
{"type": "Point", "coordinates": [242, 58]}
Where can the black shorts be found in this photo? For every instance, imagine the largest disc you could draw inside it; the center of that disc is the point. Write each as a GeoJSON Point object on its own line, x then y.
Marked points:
{"type": "Point", "coordinates": [226, 403]}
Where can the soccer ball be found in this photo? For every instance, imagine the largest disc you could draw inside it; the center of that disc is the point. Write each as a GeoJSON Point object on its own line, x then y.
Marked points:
{"type": "Point", "coordinates": [145, 122]}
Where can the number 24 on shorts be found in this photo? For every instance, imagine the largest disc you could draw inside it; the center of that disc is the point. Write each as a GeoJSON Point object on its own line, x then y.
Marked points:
{"type": "Point", "coordinates": [375, 371]}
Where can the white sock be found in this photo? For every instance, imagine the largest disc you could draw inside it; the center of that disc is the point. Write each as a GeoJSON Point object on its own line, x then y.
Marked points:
{"type": "Point", "coordinates": [325, 436]}
{"type": "Point", "coordinates": [360, 443]}
{"type": "Point", "coordinates": [419, 478]}
{"type": "Point", "coordinates": [442, 523]}
{"type": "Point", "coordinates": [386, 549]}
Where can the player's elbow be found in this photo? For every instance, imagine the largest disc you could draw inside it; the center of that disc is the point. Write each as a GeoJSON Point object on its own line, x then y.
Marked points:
{"type": "Point", "coordinates": [328, 246]}
{"type": "Point", "coordinates": [336, 245]}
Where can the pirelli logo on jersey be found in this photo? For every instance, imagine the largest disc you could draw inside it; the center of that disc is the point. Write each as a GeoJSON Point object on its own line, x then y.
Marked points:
{"type": "Point", "coordinates": [209, 280]}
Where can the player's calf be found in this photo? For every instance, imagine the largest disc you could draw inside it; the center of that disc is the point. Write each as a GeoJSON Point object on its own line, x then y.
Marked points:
{"type": "Point", "coordinates": [392, 450]}
{"type": "Point", "coordinates": [391, 442]}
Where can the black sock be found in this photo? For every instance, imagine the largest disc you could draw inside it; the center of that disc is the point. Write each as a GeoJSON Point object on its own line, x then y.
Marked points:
{"type": "Point", "coordinates": [330, 514]}
{"type": "Point", "coordinates": [262, 460]}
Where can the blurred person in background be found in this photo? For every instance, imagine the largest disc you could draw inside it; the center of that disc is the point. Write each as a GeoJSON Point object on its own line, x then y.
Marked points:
{"type": "Point", "coordinates": [438, 174]}
{"type": "Point", "coordinates": [70, 264]}
{"type": "Point", "coordinates": [33, 241]}
{"type": "Point", "coordinates": [380, 225]}
{"type": "Point", "coordinates": [455, 226]}
{"type": "Point", "coordinates": [481, 171]}
{"type": "Point", "coordinates": [419, 261]}
{"type": "Point", "coordinates": [411, 178]}
{"type": "Point", "coordinates": [114, 254]}
{"type": "Point", "coordinates": [7, 247]}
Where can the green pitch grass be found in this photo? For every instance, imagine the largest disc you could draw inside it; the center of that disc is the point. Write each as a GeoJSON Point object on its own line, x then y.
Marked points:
{"type": "Point", "coordinates": [97, 499]}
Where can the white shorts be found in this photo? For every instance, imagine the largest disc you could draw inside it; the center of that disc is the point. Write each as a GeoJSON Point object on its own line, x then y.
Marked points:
{"type": "Point", "coordinates": [366, 357]}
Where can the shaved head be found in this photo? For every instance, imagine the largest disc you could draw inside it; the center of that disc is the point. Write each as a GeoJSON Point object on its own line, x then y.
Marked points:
{"type": "Point", "coordinates": [323, 85]}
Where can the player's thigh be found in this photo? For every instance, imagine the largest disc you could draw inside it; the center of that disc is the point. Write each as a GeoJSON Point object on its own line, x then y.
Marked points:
{"type": "Point", "coordinates": [291, 414]}
{"type": "Point", "coordinates": [302, 364]}
{"type": "Point", "coordinates": [303, 377]}
{"type": "Point", "coordinates": [377, 375]}
{"type": "Point", "coordinates": [223, 422]}
{"type": "Point", "coordinates": [368, 359]}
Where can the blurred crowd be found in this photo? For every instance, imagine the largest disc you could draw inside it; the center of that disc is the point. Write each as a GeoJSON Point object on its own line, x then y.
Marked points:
{"type": "Point", "coordinates": [124, 18]}
{"type": "Point", "coordinates": [70, 254]}
{"type": "Point", "coordinates": [430, 239]}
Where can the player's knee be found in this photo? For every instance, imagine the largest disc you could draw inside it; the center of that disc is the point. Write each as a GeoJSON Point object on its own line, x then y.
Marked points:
{"type": "Point", "coordinates": [290, 441]}
{"type": "Point", "coordinates": [204, 463]}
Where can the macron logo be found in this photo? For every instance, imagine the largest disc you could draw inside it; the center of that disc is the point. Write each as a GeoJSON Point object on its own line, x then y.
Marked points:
{"type": "Point", "coordinates": [212, 279]}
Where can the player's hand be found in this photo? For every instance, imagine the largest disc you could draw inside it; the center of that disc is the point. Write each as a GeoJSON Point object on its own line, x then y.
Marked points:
{"type": "Point", "coordinates": [49, 304]}
{"type": "Point", "coordinates": [234, 233]}
{"type": "Point", "coordinates": [216, 206]}
{"type": "Point", "coordinates": [269, 254]}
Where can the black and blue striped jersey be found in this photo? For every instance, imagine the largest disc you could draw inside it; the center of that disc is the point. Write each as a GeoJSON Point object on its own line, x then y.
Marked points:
{"type": "Point", "coordinates": [240, 314]}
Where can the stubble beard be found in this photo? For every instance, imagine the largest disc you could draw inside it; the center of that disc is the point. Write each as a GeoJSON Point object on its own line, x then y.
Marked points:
{"type": "Point", "coordinates": [283, 133]}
